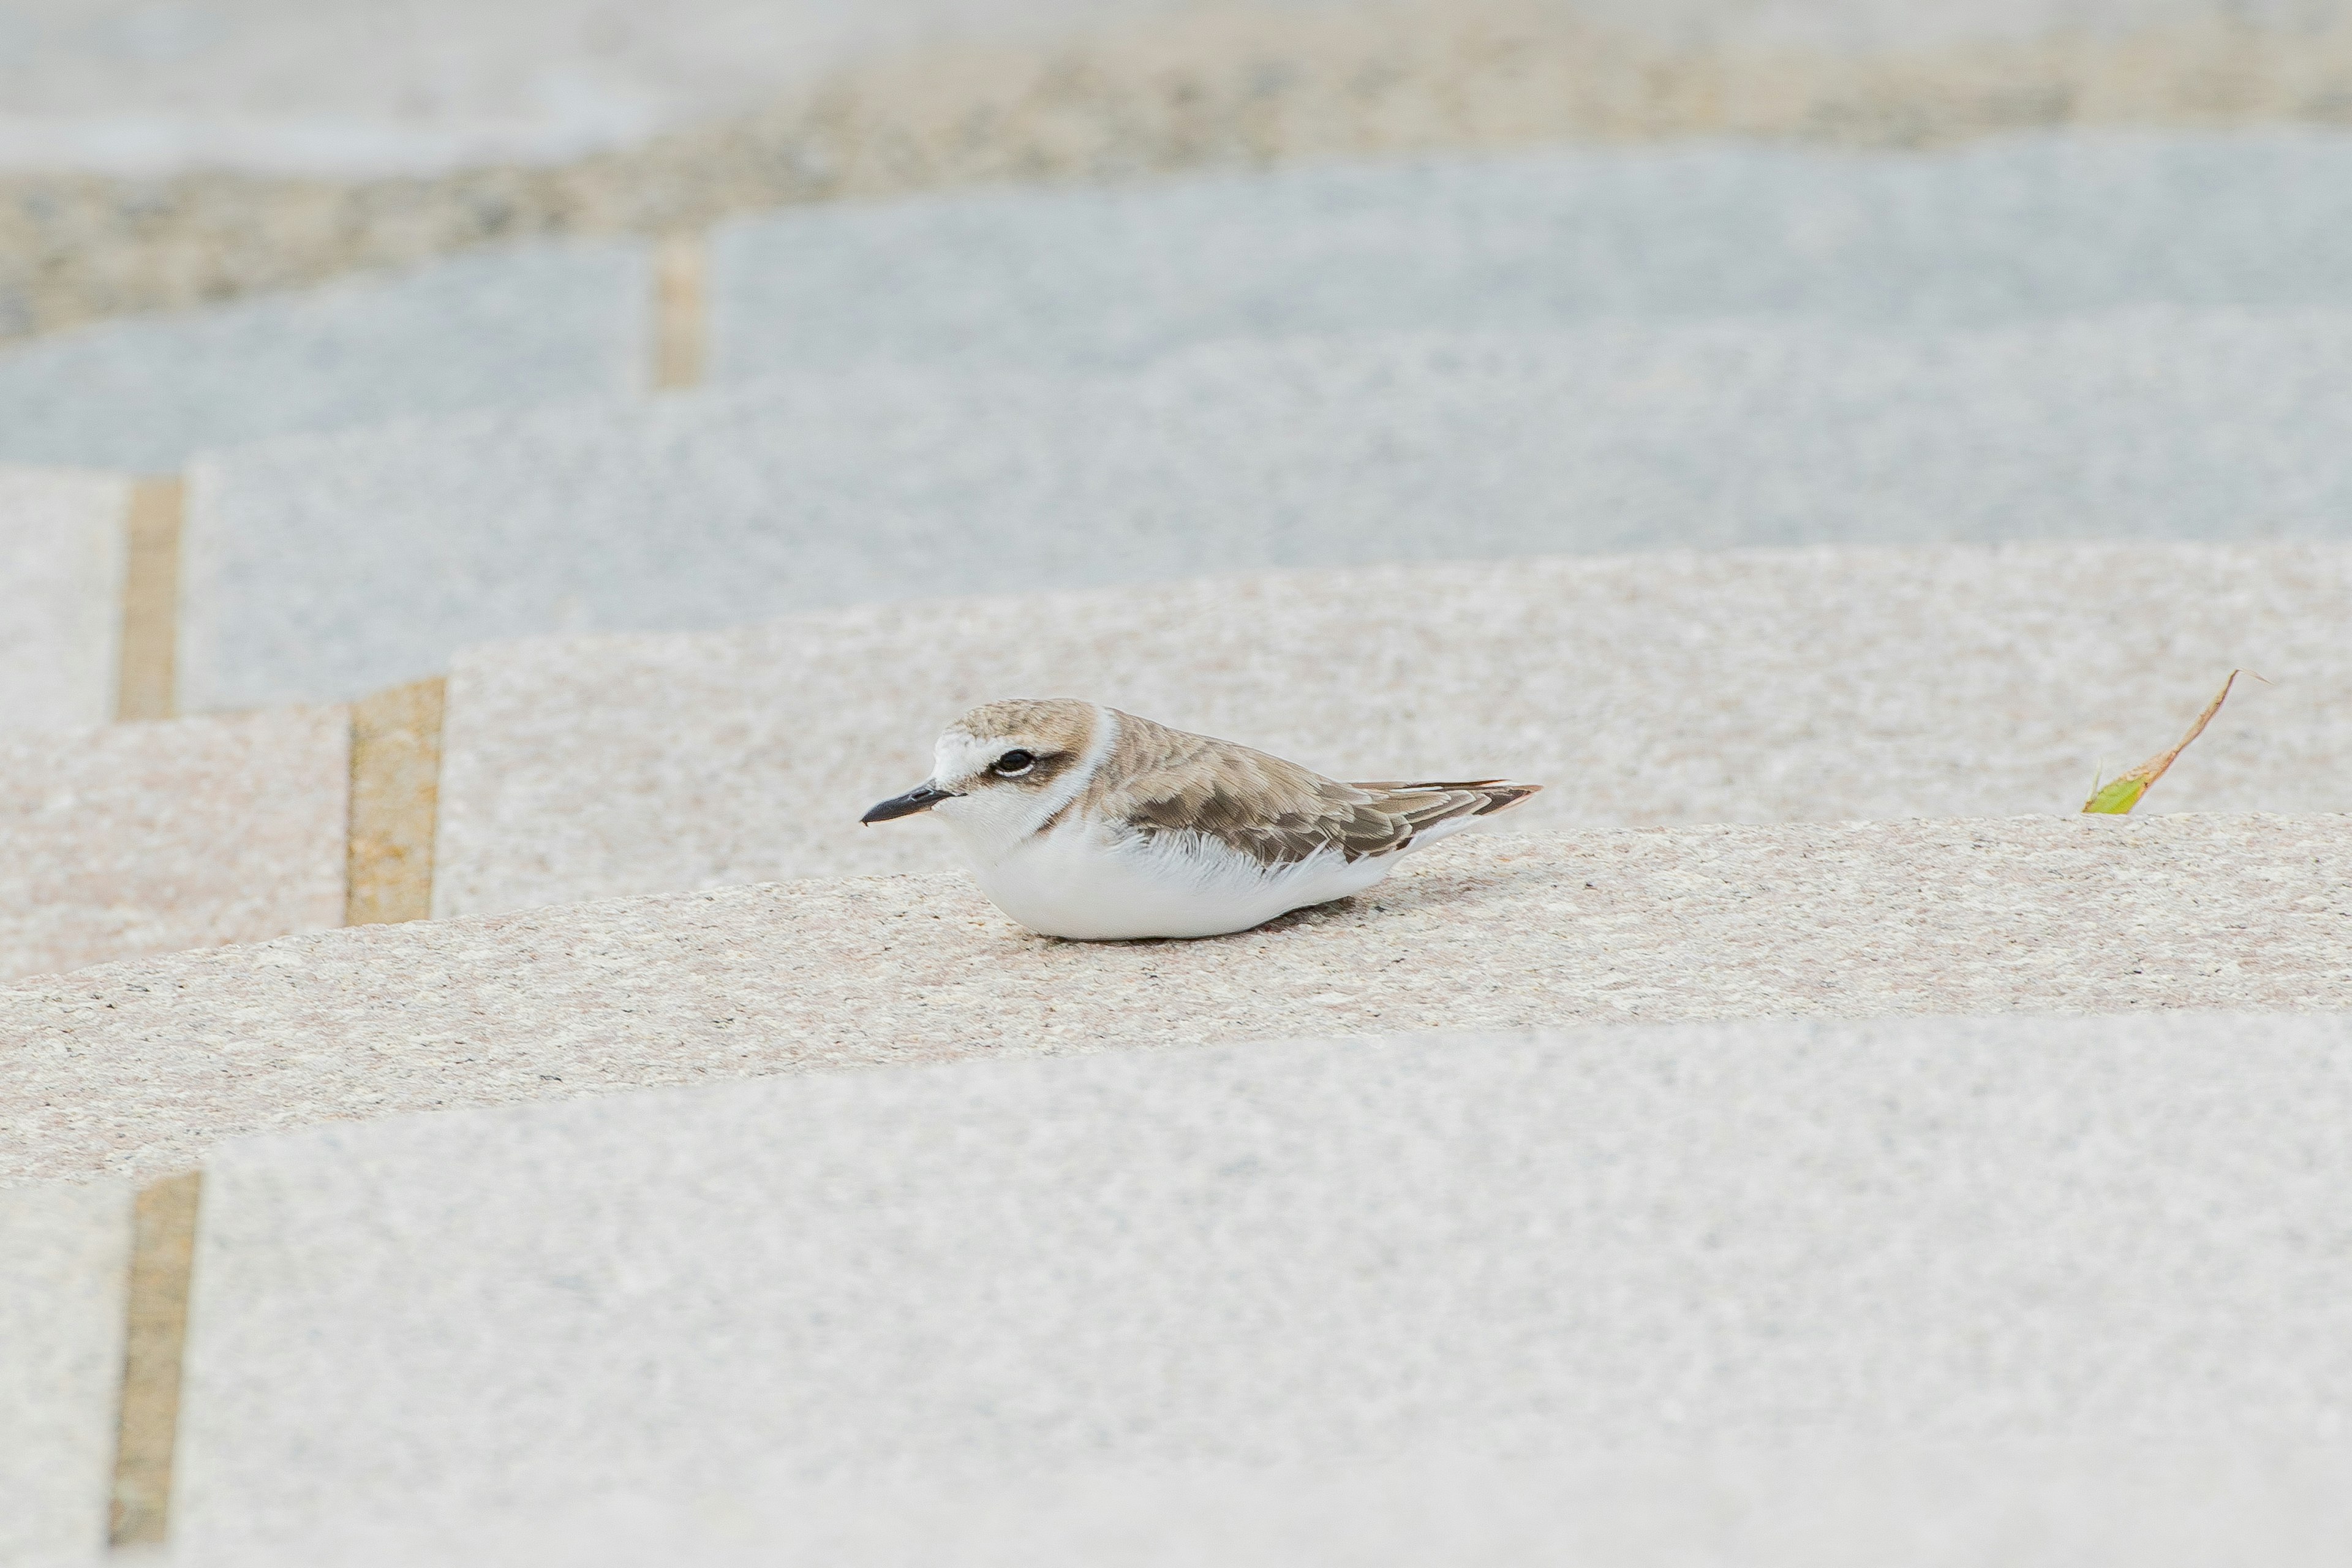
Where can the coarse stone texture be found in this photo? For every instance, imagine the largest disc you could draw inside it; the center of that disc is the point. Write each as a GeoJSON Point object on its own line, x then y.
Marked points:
{"type": "Point", "coordinates": [1957, 1231]}
{"type": "Point", "coordinates": [64, 1253]}
{"type": "Point", "coordinates": [319, 86]}
{"type": "Point", "coordinates": [143, 1067]}
{"type": "Point", "coordinates": [60, 596]}
{"type": "Point", "coordinates": [1222, 85]}
{"type": "Point", "coordinates": [1817, 684]}
{"type": "Point", "coordinates": [530, 325]}
{"type": "Point", "coordinates": [1991, 234]}
{"type": "Point", "coordinates": [341, 87]}
{"type": "Point", "coordinates": [147, 838]}
{"type": "Point", "coordinates": [321, 567]}
{"type": "Point", "coordinates": [1887, 1504]}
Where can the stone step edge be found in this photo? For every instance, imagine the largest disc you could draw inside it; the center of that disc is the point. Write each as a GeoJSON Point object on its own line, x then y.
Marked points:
{"type": "Point", "coordinates": [1200, 89]}
{"type": "Point", "coordinates": [165, 1224]}
{"type": "Point", "coordinates": [396, 738]}
{"type": "Point", "coordinates": [148, 615]}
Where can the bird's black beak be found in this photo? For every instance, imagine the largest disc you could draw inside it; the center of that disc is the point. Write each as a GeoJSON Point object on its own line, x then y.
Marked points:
{"type": "Point", "coordinates": [922, 797]}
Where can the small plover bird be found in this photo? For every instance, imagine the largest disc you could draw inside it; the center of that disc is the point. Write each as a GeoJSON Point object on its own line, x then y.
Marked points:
{"type": "Point", "coordinates": [1081, 821]}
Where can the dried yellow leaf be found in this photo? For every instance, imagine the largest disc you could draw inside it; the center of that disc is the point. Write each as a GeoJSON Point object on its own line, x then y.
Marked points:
{"type": "Point", "coordinates": [2117, 796]}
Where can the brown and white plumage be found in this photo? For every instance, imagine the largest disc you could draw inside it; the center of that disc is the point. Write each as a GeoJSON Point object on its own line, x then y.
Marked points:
{"type": "Point", "coordinates": [1113, 826]}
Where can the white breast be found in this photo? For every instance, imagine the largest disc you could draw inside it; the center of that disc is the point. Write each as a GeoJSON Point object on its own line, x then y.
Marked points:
{"type": "Point", "coordinates": [1082, 882]}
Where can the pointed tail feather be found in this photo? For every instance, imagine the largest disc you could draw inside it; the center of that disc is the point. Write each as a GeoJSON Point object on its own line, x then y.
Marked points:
{"type": "Point", "coordinates": [1495, 795]}
{"type": "Point", "coordinates": [1421, 813]}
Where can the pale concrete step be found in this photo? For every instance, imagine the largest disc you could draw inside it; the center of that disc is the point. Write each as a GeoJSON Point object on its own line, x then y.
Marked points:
{"type": "Point", "coordinates": [139, 1069]}
{"type": "Point", "coordinates": [1756, 687]}
{"type": "Point", "coordinates": [61, 572]}
{"type": "Point", "coordinates": [1013, 90]}
{"type": "Point", "coordinates": [1813, 1504]}
{"type": "Point", "coordinates": [65, 1258]}
{"type": "Point", "coordinates": [332, 87]}
{"type": "Point", "coordinates": [147, 838]}
{"type": "Point", "coordinates": [335, 88]}
{"type": "Point", "coordinates": [1721, 687]}
{"type": "Point", "coordinates": [1992, 233]}
{"type": "Point", "coordinates": [1965, 1232]}
{"type": "Point", "coordinates": [320, 567]}
{"type": "Point", "coordinates": [530, 325]}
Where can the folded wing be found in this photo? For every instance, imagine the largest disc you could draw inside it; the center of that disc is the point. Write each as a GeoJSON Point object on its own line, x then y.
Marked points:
{"type": "Point", "coordinates": [1278, 812]}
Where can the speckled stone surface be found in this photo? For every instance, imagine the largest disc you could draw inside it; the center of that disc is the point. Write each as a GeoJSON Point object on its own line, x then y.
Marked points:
{"type": "Point", "coordinates": [1812, 1504]}
{"type": "Point", "coordinates": [320, 568]}
{"type": "Point", "coordinates": [1826, 1505]}
{"type": "Point", "coordinates": [65, 1258]}
{"type": "Point", "coordinates": [1220, 83]}
{"type": "Point", "coordinates": [527, 326]}
{"type": "Point", "coordinates": [60, 596]}
{"type": "Point", "coordinates": [1958, 1231]}
{"type": "Point", "coordinates": [1742, 687]}
{"type": "Point", "coordinates": [146, 838]}
{"type": "Point", "coordinates": [337, 87]}
{"type": "Point", "coordinates": [334, 87]}
{"type": "Point", "coordinates": [1993, 233]}
{"type": "Point", "coordinates": [142, 1068]}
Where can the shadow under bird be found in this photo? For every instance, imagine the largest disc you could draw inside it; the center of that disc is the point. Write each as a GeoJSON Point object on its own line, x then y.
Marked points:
{"type": "Point", "coordinates": [1084, 822]}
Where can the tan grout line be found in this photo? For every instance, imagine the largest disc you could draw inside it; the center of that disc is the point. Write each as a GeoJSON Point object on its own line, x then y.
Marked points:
{"type": "Point", "coordinates": [145, 676]}
{"type": "Point", "coordinates": [681, 328]}
{"type": "Point", "coordinates": [394, 804]}
{"type": "Point", "coordinates": [155, 1334]}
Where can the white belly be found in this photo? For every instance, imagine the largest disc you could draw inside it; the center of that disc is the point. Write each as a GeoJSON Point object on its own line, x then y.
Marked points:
{"type": "Point", "coordinates": [1074, 883]}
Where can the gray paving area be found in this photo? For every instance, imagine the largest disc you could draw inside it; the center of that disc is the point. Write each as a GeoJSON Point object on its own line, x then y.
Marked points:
{"type": "Point", "coordinates": [525, 326]}
{"type": "Point", "coordinates": [1888, 1504]}
{"type": "Point", "coordinates": [327, 566]}
{"type": "Point", "coordinates": [1721, 687]}
{"type": "Point", "coordinates": [61, 548]}
{"type": "Point", "coordinates": [1950, 1231]}
{"type": "Point", "coordinates": [1989, 234]}
{"type": "Point", "coordinates": [346, 89]}
{"type": "Point", "coordinates": [921, 95]}
{"type": "Point", "coordinates": [65, 1256]}
{"type": "Point", "coordinates": [144, 838]}
{"type": "Point", "coordinates": [142, 1068]}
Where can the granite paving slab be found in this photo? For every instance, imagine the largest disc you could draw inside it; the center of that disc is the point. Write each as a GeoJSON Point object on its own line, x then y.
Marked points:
{"type": "Point", "coordinates": [65, 1258]}
{"type": "Point", "coordinates": [1129, 90]}
{"type": "Point", "coordinates": [146, 838]}
{"type": "Point", "coordinates": [516, 327]}
{"type": "Point", "coordinates": [1814, 1504]}
{"type": "Point", "coordinates": [1989, 234]}
{"type": "Point", "coordinates": [60, 596]}
{"type": "Point", "coordinates": [332, 87]}
{"type": "Point", "coordinates": [329, 88]}
{"type": "Point", "coordinates": [142, 1068]}
{"type": "Point", "coordinates": [1959, 1231]}
{"type": "Point", "coordinates": [319, 568]}
{"type": "Point", "coordinates": [1675, 687]}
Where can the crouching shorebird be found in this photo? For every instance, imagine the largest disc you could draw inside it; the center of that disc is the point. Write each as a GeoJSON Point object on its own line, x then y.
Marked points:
{"type": "Point", "coordinates": [1081, 821]}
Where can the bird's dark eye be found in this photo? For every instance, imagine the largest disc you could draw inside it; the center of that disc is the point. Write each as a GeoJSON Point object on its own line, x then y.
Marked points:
{"type": "Point", "coordinates": [1012, 764]}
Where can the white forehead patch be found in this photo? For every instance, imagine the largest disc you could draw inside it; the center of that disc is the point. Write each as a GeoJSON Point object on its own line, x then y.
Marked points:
{"type": "Point", "coordinates": [960, 756]}
{"type": "Point", "coordinates": [964, 757]}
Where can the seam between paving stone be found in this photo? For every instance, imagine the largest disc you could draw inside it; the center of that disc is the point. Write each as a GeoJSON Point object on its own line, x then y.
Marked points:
{"type": "Point", "coordinates": [155, 1333]}
{"type": "Point", "coordinates": [681, 311]}
{"type": "Point", "coordinates": [394, 804]}
{"type": "Point", "coordinates": [145, 672]}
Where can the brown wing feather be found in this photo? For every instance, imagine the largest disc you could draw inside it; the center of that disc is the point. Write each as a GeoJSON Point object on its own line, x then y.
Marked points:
{"type": "Point", "coordinates": [1272, 811]}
